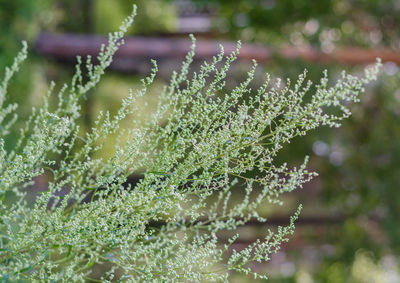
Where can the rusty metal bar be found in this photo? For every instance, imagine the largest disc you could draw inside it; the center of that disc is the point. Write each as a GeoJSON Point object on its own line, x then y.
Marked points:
{"type": "Point", "coordinates": [138, 50]}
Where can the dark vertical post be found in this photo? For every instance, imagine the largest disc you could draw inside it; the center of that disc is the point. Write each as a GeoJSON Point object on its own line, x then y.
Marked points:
{"type": "Point", "coordinates": [88, 28]}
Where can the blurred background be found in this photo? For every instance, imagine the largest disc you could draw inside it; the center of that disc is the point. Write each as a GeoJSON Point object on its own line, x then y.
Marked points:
{"type": "Point", "coordinates": [349, 230]}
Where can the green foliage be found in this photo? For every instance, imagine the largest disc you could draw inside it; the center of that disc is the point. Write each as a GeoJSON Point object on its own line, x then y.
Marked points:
{"type": "Point", "coordinates": [370, 145]}
{"type": "Point", "coordinates": [19, 19]}
{"type": "Point", "coordinates": [322, 23]}
{"type": "Point", "coordinates": [201, 143]}
{"type": "Point", "coordinates": [103, 16]}
{"type": "Point", "coordinates": [157, 16]}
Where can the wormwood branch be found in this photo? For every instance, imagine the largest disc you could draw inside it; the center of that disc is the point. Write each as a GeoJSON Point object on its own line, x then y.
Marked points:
{"type": "Point", "coordinates": [203, 142]}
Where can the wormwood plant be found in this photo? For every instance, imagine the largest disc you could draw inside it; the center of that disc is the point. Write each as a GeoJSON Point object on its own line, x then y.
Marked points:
{"type": "Point", "coordinates": [166, 227]}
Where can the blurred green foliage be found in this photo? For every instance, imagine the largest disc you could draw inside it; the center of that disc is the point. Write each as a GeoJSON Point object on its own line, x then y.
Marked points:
{"type": "Point", "coordinates": [359, 22]}
{"type": "Point", "coordinates": [20, 20]}
{"type": "Point", "coordinates": [104, 16]}
{"type": "Point", "coordinates": [155, 16]}
{"type": "Point", "coordinates": [366, 185]}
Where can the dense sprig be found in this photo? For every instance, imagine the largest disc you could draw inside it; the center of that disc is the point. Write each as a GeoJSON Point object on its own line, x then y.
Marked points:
{"type": "Point", "coordinates": [201, 143]}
